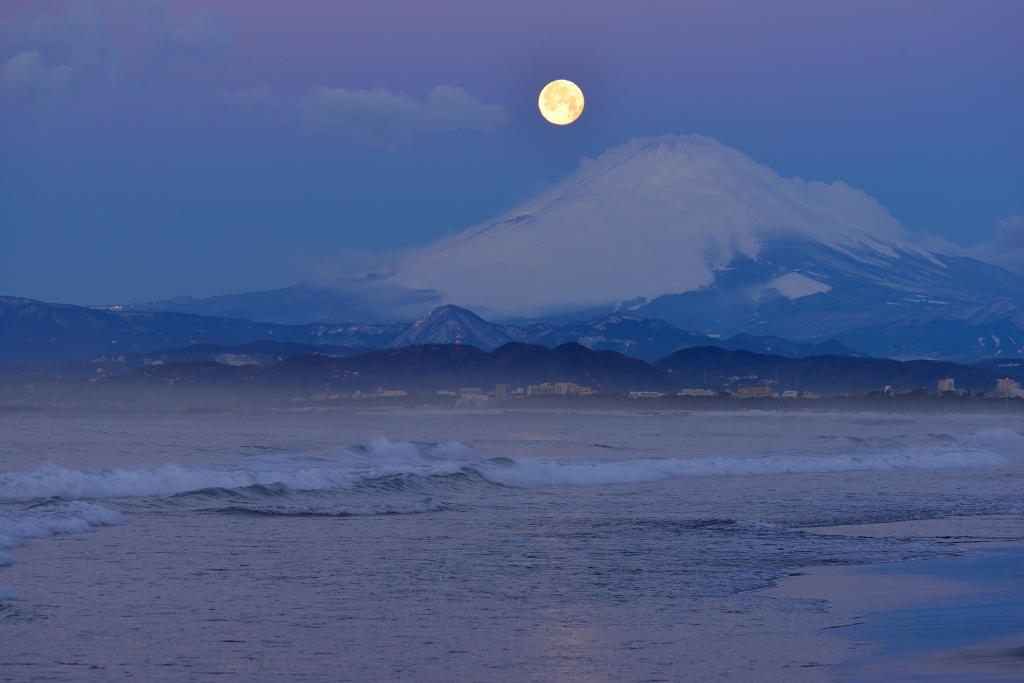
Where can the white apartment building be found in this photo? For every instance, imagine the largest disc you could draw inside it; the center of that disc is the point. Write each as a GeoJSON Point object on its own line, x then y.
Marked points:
{"type": "Point", "coordinates": [697, 392]}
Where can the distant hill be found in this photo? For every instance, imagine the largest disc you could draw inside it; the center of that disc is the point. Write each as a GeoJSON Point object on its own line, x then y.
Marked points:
{"type": "Point", "coordinates": [720, 369]}
{"type": "Point", "coordinates": [37, 333]}
{"type": "Point", "coordinates": [1013, 367]}
{"type": "Point", "coordinates": [654, 339]}
{"type": "Point", "coordinates": [427, 368]}
{"type": "Point", "coordinates": [421, 368]}
{"type": "Point", "coordinates": [430, 367]}
{"type": "Point", "coordinates": [33, 332]}
{"type": "Point", "coordinates": [253, 353]}
{"type": "Point", "coordinates": [629, 335]}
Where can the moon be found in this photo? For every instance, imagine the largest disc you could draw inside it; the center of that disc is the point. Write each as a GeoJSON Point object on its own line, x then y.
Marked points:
{"type": "Point", "coordinates": [561, 102]}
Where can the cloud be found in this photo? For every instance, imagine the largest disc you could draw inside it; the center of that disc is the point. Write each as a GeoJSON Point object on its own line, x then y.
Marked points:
{"type": "Point", "coordinates": [25, 75]}
{"type": "Point", "coordinates": [46, 55]}
{"type": "Point", "coordinates": [1006, 248]}
{"type": "Point", "coordinates": [382, 119]}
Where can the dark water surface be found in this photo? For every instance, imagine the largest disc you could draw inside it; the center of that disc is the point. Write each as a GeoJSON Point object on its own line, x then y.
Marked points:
{"type": "Point", "coordinates": [444, 545]}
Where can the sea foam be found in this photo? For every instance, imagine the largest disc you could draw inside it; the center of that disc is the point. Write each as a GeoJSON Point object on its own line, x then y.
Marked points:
{"type": "Point", "coordinates": [50, 518]}
{"type": "Point", "coordinates": [380, 460]}
{"type": "Point", "coordinates": [991, 438]}
{"type": "Point", "coordinates": [376, 460]}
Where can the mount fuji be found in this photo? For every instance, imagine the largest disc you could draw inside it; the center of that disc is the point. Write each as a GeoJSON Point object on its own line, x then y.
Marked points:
{"type": "Point", "coordinates": [689, 231]}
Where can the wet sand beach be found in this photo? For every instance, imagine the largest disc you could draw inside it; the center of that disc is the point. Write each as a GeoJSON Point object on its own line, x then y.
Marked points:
{"type": "Point", "coordinates": [941, 619]}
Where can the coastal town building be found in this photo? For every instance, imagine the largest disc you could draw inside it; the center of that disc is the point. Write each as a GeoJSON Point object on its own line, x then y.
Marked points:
{"type": "Point", "coordinates": [380, 393]}
{"type": "Point", "coordinates": [697, 392]}
{"type": "Point", "coordinates": [558, 389]}
{"type": "Point", "coordinates": [946, 385]}
{"type": "Point", "coordinates": [472, 396]}
{"type": "Point", "coordinates": [475, 397]}
{"type": "Point", "coordinates": [1008, 387]}
{"type": "Point", "coordinates": [754, 392]}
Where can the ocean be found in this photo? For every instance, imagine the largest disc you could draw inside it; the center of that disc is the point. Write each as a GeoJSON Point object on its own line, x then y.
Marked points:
{"type": "Point", "coordinates": [475, 545]}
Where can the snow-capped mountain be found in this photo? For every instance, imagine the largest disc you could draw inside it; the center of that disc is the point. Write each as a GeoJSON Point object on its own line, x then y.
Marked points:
{"type": "Point", "coordinates": [450, 324]}
{"type": "Point", "coordinates": [689, 231]}
{"type": "Point", "coordinates": [865, 288]}
{"type": "Point", "coordinates": [652, 217]}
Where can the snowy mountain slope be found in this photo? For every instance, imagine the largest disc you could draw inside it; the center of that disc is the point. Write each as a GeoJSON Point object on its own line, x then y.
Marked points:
{"type": "Point", "coordinates": [652, 217]}
{"type": "Point", "coordinates": [447, 324]}
{"type": "Point", "coordinates": [942, 339]}
{"type": "Point", "coordinates": [864, 290]}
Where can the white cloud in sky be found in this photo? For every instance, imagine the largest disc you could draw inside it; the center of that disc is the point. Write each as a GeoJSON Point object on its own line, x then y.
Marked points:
{"type": "Point", "coordinates": [381, 118]}
{"type": "Point", "coordinates": [1006, 248]}
{"type": "Point", "coordinates": [26, 75]}
{"type": "Point", "coordinates": [45, 55]}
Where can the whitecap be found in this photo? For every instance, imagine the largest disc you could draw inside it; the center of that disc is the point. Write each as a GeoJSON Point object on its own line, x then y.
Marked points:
{"type": "Point", "coordinates": [51, 518]}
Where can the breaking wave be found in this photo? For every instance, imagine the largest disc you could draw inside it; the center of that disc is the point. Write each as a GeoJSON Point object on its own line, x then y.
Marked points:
{"type": "Point", "coordinates": [991, 438]}
{"type": "Point", "coordinates": [365, 480]}
{"type": "Point", "coordinates": [51, 518]}
{"type": "Point", "coordinates": [387, 465]}
{"type": "Point", "coordinates": [376, 460]}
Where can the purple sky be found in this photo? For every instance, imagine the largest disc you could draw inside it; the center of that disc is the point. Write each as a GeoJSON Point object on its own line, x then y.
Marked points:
{"type": "Point", "coordinates": [154, 149]}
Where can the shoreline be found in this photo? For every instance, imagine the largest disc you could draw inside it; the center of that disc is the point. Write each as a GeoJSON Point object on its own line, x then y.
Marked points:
{"type": "Point", "coordinates": [955, 618]}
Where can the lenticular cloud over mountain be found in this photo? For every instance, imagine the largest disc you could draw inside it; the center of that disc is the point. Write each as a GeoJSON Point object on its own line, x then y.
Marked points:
{"type": "Point", "coordinates": [652, 217]}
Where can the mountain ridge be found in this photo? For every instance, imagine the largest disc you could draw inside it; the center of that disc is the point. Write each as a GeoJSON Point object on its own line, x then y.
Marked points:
{"type": "Point", "coordinates": [36, 333]}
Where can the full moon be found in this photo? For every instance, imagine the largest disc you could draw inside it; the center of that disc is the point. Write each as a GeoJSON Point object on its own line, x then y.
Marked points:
{"type": "Point", "coordinates": [561, 102]}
